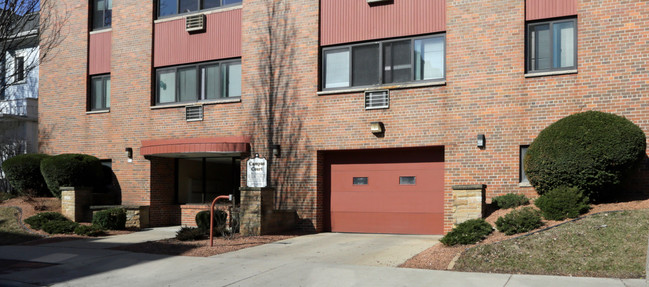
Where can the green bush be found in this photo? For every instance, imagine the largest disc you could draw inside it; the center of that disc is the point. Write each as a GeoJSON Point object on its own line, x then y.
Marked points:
{"type": "Point", "coordinates": [468, 232]}
{"type": "Point", "coordinates": [37, 221]}
{"type": "Point", "coordinates": [111, 219]}
{"type": "Point", "coordinates": [220, 220]}
{"type": "Point", "coordinates": [85, 230]}
{"type": "Point", "coordinates": [71, 170]}
{"type": "Point", "coordinates": [519, 221]}
{"type": "Point", "coordinates": [561, 203]}
{"type": "Point", "coordinates": [60, 227]}
{"type": "Point", "coordinates": [591, 150]}
{"type": "Point", "coordinates": [24, 174]}
{"type": "Point", "coordinates": [510, 200]}
{"type": "Point", "coordinates": [190, 234]}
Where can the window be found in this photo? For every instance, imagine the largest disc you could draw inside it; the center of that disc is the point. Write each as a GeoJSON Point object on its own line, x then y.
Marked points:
{"type": "Point", "coordinates": [100, 92]}
{"type": "Point", "coordinates": [522, 177]}
{"type": "Point", "coordinates": [370, 64]}
{"type": "Point", "coordinates": [199, 82]}
{"type": "Point", "coordinates": [19, 69]}
{"type": "Point", "coordinates": [359, 180]}
{"type": "Point", "coordinates": [173, 7]}
{"type": "Point", "coordinates": [552, 45]}
{"type": "Point", "coordinates": [407, 180]}
{"type": "Point", "coordinates": [200, 180]}
{"type": "Point", "coordinates": [102, 14]}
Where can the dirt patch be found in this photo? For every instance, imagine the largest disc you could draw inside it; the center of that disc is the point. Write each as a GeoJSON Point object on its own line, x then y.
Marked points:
{"type": "Point", "coordinates": [440, 256]}
{"type": "Point", "coordinates": [201, 248]}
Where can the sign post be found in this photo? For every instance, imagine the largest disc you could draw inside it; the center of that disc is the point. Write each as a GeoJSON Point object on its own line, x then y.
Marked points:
{"type": "Point", "coordinates": [257, 168]}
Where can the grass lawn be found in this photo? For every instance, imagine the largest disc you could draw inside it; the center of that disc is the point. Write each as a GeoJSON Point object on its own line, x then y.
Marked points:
{"type": "Point", "coordinates": [10, 230]}
{"type": "Point", "coordinates": [611, 244]}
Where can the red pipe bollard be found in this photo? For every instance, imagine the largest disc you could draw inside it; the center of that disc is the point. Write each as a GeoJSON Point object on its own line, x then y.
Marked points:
{"type": "Point", "coordinates": [228, 197]}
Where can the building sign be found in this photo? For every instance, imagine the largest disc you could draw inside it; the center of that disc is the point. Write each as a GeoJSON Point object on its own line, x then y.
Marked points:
{"type": "Point", "coordinates": [257, 169]}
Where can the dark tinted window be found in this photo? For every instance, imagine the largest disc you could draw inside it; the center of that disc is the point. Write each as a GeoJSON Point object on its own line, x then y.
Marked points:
{"type": "Point", "coordinates": [365, 67]}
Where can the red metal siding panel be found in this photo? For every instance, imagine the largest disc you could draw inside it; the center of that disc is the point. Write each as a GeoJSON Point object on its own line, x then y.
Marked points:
{"type": "Point", "coordinates": [542, 9]}
{"type": "Point", "coordinates": [221, 39]}
{"type": "Point", "coordinates": [100, 49]}
{"type": "Point", "coordinates": [344, 21]}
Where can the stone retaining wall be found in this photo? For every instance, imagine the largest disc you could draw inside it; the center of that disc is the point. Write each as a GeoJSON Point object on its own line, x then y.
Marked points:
{"type": "Point", "coordinates": [468, 202]}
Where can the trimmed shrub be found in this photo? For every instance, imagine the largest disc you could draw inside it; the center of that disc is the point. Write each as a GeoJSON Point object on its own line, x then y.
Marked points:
{"type": "Point", "coordinates": [60, 227]}
{"type": "Point", "coordinates": [510, 200]}
{"type": "Point", "coordinates": [190, 234]}
{"type": "Point", "coordinates": [111, 219]}
{"type": "Point", "coordinates": [591, 150]}
{"type": "Point", "coordinates": [71, 170]}
{"type": "Point", "coordinates": [519, 221]}
{"type": "Point", "coordinates": [220, 220]}
{"type": "Point", "coordinates": [85, 230]}
{"type": "Point", "coordinates": [37, 221]}
{"type": "Point", "coordinates": [24, 174]}
{"type": "Point", "coordinates": [561, 203]}
{"type": "Point", "coordinates": [468, 232]}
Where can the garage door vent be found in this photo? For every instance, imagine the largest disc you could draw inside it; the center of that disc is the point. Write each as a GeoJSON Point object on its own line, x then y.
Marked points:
{"type": "Point", "coordinates": [193, 113]}
{"type": "Point", "coordinates": [377, 100]}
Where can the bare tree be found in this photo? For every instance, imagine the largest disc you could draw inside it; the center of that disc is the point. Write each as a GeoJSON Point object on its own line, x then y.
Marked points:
{"type": "Point", "coordinates": [24, 24]}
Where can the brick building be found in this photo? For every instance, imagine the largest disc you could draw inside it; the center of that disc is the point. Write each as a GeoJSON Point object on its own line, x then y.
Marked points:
{"type": "Point", "coordinates": [368, 113]}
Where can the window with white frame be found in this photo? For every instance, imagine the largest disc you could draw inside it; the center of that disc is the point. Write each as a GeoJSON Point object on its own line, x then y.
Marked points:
{"type": "Point", "coordinates": [384, 62]}
{"type": "Point", "coordinates": [552, 45]}
{"type": "Point", "coordinates": [99, 93]}
{"type": "Point", "coordinates": [19, 69]}
{"type": "Point", "coordinates": [198, 82]}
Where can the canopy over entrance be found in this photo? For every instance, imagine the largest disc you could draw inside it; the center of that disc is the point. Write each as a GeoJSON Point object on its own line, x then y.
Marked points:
{"type": "Point", "coordinates": [195, 146]}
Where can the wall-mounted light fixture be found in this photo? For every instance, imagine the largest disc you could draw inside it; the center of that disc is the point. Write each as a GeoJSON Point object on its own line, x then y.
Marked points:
{"type": "Point", "coordinates": [481, 141]}
{"type": "Point", "coordinates": [129, 153]}
{"type": "Point", "coordinates": [377, 127]}
{"type": "Point", "coordinates": [277, 150]}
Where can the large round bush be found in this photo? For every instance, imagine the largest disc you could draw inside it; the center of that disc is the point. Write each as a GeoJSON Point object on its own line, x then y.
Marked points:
{"type": "Point", "coordinates": [24, 174]}
{"type": "Point", "coordinates": [591, 151]}
{"type": "Point", "coordinates": [71, 170]}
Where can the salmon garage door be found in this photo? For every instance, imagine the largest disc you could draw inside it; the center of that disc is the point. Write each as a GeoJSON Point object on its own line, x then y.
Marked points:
{"type": "Point", "coordinates": [387, 191]}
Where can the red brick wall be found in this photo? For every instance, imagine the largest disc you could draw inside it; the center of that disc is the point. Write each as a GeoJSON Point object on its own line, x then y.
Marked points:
{"type": "Point", "coordinates": [189, 211]}
{"type": "Point", "coordinates": [486, 92]}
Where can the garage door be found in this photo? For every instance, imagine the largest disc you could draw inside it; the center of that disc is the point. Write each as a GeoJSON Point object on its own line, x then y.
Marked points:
{"type": "Point", "coordinates": [387, 191]}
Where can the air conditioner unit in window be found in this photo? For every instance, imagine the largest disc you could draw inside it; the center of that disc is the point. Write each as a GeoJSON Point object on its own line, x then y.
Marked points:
{"type": "Point", "coordinates": [194, 113]}
{"type": "Point", "coordinates": [377, 99]}
{"type": "Point", "coordinates": [377, 1]}
{"type": "Point", "coordinates": [194, 23]}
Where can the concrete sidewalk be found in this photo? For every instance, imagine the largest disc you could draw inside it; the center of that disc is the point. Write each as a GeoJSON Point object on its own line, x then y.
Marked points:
{"type": "Point", "coordinates": [326, 259]}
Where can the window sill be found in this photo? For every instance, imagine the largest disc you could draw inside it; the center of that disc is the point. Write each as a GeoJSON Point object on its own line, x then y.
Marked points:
{"type": "Point", "coordinates": [101, 31]}
{"type": "Point", "coordinates": [182, 105]}
{"type": "Point", "coordinates": [204, 12]}
{"type": "Point", "coordinates": [98, 112]}
{"type": "Point", "coordinates": [524, 184]}
{"type": "Point", "coordinates": [553, 73]}
{"type": "Point", "coordinates": [381, 87]}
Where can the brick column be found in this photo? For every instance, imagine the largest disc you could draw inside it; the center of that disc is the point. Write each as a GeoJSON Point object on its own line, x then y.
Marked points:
{"type": "Point", "coordinates": [75, 203]}
{"type": "Point", "coordinates": [468, 202]}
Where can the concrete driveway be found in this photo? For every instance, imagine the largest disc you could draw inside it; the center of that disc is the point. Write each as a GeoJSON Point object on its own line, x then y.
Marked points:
{"type": "Point", "coordinates": [327, 259]}
{"type": "Point", "coordinates": [341, 248]}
